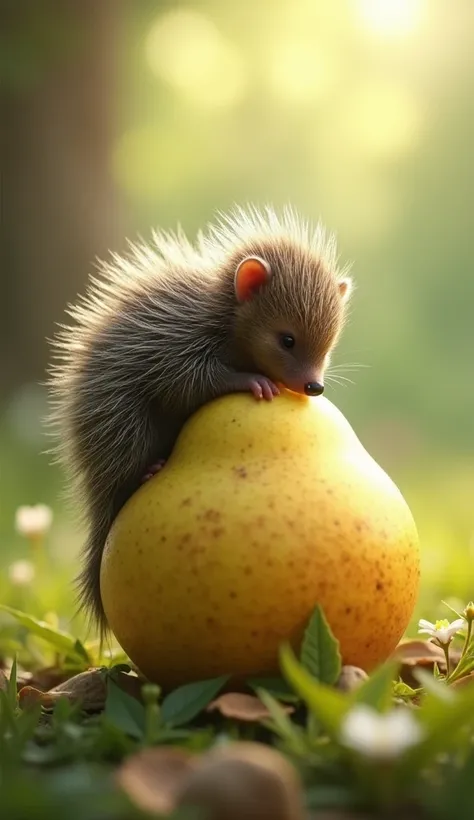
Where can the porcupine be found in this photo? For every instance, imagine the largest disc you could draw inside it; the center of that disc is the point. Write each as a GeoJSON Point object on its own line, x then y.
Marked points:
{"type": "Point", "coordinates": [258, 301]}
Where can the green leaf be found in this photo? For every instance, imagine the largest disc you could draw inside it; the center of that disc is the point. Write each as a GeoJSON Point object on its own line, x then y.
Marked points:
{"type": "Point", "coordinates": [465, 665]}
{"type": "Point", "coordinates": [455, 796]}
{"type": "Point", "coordinates": [376, 691]}
{"type": "Point", "coordinates": [442, 720]}
{"type": "Point", "coordinates": [7, 715]}
{"type": "Point", "coordinates": [182, 705]}
{"type": "Point", "coordinates": [276, 686]}
{"type": "Point", "coordinates": [329, 796]}
{"type": "Point", "coordinates": [282, 724]}
{"type": "Point", "coordinates": [320, 653]}
{"type": "Point", "coordinates": [436, 688]}
{"type": "Point", "coordinates": [27, 722]}
{"type": "Point", "coordinates": [61, 641]}
{"type": "Point", "coordinates": [124, 712]}
{"type": "Point", "coordinates": [12, 693]}
{"type": "Point", "coordinates": [328, 705]}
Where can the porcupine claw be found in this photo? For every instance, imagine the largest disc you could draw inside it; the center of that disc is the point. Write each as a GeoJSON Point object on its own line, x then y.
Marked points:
{"type": "Point", "coordinates": [262, 388]}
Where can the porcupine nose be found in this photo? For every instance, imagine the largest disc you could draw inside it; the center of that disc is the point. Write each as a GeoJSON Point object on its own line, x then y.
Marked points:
{"type": "Point", "coordinates": [314, 388]}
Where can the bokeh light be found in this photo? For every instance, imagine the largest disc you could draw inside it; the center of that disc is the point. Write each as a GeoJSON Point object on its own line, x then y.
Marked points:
{"type": "Point", "coordinates": [391, 18]}
{"type": "Point", "coordinates": [303, 71]}
{"type": "Point", "coordinates": [383, 119]}
{"type": "Point", "coordinates": [186, 49]}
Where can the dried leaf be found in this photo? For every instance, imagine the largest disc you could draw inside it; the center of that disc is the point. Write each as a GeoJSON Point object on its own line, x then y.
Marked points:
{"type": "Point", "coordinates": [413, 654]}
{"type": "Point", "coordinates": [87, 687]}
{"type": "Point", "coordinates": [3, 682]}
{"type": "Point", "coordinates": [43, 679]}
{"type": "Point", "coordinates": [417, 652]}
{"type": "Point", "coordinates": [29, 696]}
{"type": "Point", "coordinates": [238, 706]}
{"type": "Point", "coordinates": [465, 681]}
{"type": "Point", "coordinates": [151, 778]}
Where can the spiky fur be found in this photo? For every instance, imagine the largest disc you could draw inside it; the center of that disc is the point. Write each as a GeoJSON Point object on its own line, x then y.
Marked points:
{"type": "Point", "coordinates": [159, 333]}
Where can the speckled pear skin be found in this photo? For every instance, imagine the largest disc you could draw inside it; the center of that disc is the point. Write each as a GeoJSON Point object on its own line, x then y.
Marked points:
{"type": "Point", "coordinates": [263, 511]}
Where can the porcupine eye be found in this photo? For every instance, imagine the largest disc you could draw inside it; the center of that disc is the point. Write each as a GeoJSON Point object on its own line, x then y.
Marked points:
{"type": "Point", "coordinates": [287, 340]}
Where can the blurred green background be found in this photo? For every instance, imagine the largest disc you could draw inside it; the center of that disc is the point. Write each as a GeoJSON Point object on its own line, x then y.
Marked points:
{"type": "Point", "coordinates": [122, 116]}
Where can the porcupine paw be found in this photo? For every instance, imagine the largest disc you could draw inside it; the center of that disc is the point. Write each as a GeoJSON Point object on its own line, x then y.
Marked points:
{"type": "Point", "coordinates": [154, 469]}
{"type": "Point", "coordinates": [262, 388]}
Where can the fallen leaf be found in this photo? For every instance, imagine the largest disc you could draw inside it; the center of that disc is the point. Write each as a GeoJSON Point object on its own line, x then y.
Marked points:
{"type": "Point", "coordinates": [43, 679]}
{"type": "Point", "coordinates": [87, 687]}
{"type": "Point", "coordinates": [418, 653]}
{"type": "Point", "coordinates": [151, 778]}
{"type": "Point", "coordinates": [421, 653]}
{"type": "Point", "coordinates": [29, 696]}
{"type": "Point", "coordinates": [465, 681]}
{"type": "Point", "coordinates": [412, 653]}
{"type": "Point", "coordinates": [243, 707]}
{"type": "Point", "coordinates": [243, 780]}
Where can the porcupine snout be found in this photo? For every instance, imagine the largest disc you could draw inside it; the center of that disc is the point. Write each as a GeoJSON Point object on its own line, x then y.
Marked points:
{"type": "Point", "coordinates": [314, 388]}
{"type": "Point", "coordinates": [309, 384]}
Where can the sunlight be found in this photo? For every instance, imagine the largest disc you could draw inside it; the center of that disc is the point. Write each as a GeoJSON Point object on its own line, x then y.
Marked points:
{"type": "Point", "coordinates": [391, 18]}
{"type": "Point", "coordinates": [303, 71]}
{"type": "Point", "coordinates": [187, 50]}
{"type": "Point", "coordinates": [385, 120]}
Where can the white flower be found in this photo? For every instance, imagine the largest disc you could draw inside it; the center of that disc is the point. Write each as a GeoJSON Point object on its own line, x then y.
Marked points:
{"type": "Point", "coordinates": [442, 631]}
{"type": "Point", "coordinates": [21, 572]}
{"type": "Point", "coordinates": [380, 736]}
{"type": "Point", "coordinates": [33, 521]}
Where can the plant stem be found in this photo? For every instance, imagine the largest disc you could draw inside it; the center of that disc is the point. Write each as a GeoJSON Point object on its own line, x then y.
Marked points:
{"type": "Point", "coordinates": [468, 639]}
{"type": "Point", "coordinates": [459, 671]}
{"type": "Point", "coordinates": [448, 659]}
{"type": "Point", "coordinates": [150, 694]}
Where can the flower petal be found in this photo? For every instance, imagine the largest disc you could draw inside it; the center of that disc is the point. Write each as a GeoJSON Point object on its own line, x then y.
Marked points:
{"type": "Point", "coordinates": [382, 737]}
{"type": "Point", "coordinates": [426, 624]}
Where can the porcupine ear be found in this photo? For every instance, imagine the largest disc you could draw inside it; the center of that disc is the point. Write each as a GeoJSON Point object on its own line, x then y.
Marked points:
{"type": "Point", "coordinates": [345, 288]}
{"type": "Point", "coordinates": [251, 275]}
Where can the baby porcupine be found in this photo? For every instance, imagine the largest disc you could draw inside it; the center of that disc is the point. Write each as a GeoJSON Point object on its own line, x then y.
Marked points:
{"type": "Point", "coordinates": [258, 301]}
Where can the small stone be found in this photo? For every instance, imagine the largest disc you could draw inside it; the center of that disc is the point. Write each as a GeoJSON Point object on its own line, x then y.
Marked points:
{"type": "Point", "coordinates": [351, 678]}
{"type": "Point", "coordinates": [243, 780]}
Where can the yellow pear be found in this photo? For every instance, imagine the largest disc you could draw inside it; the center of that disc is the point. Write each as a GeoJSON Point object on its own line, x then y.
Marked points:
{"type": "Point", "coordinates": [263, 511]}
